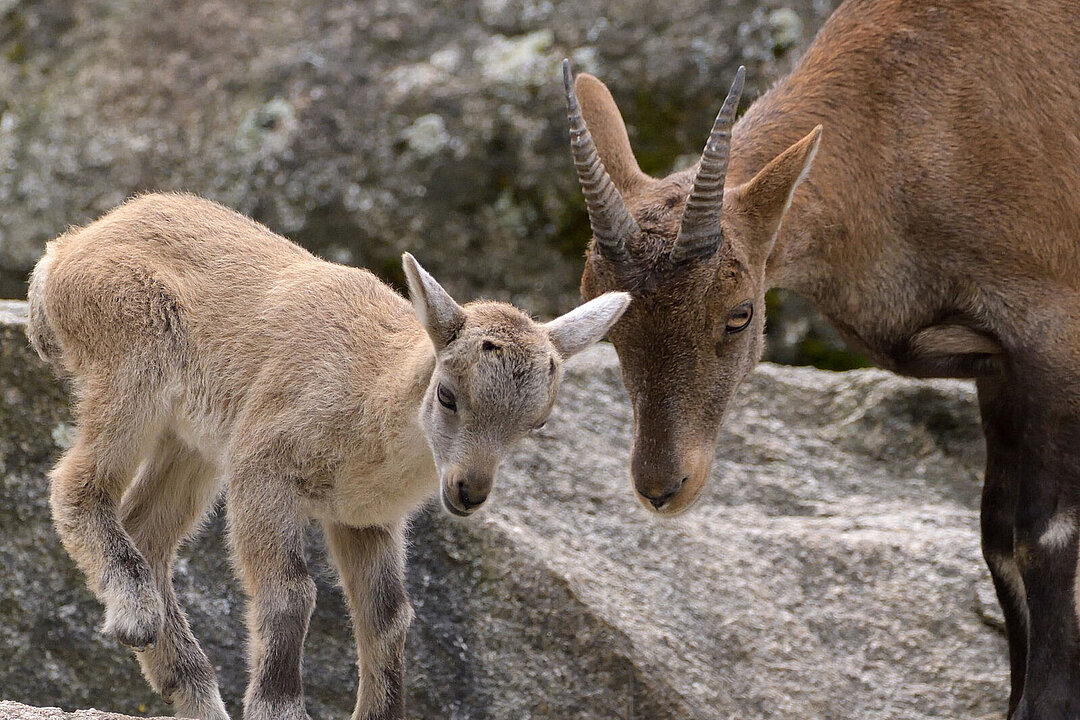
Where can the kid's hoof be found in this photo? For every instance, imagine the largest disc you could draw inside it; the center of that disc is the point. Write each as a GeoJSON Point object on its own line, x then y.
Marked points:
{"type": "Point", "coordinates": [188, 686]}
{"type": "Point", "coordinates": [259, 708]}
{"type": "Point", "coordinates": [138, 643]}
{"type": "Point", "coordinates": [135, 620]}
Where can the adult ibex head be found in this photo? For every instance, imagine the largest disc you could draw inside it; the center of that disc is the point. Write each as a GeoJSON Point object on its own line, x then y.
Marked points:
{"type": "Point", "coordinates": [691, 251]}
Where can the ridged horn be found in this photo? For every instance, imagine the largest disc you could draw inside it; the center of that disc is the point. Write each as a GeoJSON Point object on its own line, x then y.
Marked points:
{"type": "Point", "coordinates": [611, 222]}
{"type": "Point", "coordinates": [699, 232]}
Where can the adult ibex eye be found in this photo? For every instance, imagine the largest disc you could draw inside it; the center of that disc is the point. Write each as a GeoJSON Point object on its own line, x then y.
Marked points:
{"type": "Point", "coordinates": [446, 398]}
{"type": "Point", "coordinates": [740, 318]}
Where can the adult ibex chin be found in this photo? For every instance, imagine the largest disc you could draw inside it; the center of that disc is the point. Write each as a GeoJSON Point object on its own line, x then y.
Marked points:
{"type": "Point", "coordinates": [939, 231]}
{"type": "Point", "coordinates": [207, 351]}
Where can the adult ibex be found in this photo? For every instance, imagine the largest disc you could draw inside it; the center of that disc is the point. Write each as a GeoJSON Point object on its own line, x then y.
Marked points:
{"type": "Point", "coordinates": [939, 231]}
{"type": "Point", "coordinates": [206, 350]}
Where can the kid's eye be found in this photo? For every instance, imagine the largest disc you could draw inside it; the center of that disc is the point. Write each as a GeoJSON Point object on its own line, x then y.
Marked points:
{"type": "Point", "coordinates": [740, 318]}
{"type": "Point", "coordinates": [446, 398]}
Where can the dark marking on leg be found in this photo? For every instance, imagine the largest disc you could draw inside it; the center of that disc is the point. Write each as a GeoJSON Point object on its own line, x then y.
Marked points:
{"type": "Point", "coordinates": [370, 562]}
{"type": "Point", "coordinates": [283, 632]}
{"type": "Point", "coordinates": [388, 599]}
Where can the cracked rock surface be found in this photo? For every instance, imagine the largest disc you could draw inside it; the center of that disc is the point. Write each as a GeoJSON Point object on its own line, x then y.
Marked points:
{"type": "Point", "coordinates": [831, 569]}
{"type": "Point", "coordinates": [17, 711]}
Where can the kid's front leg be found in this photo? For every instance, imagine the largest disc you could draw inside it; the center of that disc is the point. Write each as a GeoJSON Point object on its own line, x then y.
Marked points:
{"type": "Point", "coordinates": [266, 527]}
{"type": "Point", "coordinates": [371, 565]}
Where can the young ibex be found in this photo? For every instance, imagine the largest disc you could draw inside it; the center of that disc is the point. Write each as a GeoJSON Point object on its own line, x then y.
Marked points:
{"type": "Point", "coordinates": [207, 351]}
{"type": "Point", "coordinates": [939, 231]}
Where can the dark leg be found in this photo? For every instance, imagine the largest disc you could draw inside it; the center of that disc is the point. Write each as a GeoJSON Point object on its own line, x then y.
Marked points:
{"type": "Point", "coordinates": [1046, 534]}
{"type": "Point", "coordinates": [1000, 488]}
{"type": "Point", "coordinates": [1046, 552]}
{"type": "Point", "coordinates": [371, 565]}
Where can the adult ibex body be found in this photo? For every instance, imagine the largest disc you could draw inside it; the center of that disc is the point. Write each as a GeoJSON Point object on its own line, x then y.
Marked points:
{"type": "Point", "coordinates": [207, 351]}
{"type": "Point", "coordinates": [937, 227]}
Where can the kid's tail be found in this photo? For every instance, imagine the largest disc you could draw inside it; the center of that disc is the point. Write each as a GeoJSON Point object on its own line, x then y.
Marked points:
{"type": "Point", "coordinates": [41, 335]}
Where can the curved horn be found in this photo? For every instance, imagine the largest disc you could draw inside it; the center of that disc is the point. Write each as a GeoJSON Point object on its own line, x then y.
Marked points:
{"type": "Point", "coordinates": [611, 222]}
{"type": "Point", "coordinates": [699, 233]}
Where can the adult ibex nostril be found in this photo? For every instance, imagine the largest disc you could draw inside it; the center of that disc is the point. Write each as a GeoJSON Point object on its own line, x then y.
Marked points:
{"type": "Point", "coordinates": [467, 500]}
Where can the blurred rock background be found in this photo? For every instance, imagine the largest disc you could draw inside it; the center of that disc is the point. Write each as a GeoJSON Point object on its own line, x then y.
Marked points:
{"type": "Point", "coordinates": [364, 129]}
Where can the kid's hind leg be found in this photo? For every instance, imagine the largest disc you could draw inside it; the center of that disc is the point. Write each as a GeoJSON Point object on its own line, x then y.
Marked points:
{"type": "Point", "coordinates": [169, 498]}
{"type": "Point", "coordinates": [86, 486]}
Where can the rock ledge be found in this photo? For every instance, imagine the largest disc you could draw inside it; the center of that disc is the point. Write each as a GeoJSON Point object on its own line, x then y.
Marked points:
{"type": "Point", "coordinates": [17, 711]}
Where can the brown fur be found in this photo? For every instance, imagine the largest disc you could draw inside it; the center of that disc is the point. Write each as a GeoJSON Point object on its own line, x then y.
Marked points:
{"type": "Point", "coordinates": [207, 351]}
{"type": "Point", "coordinates": [938, 229]}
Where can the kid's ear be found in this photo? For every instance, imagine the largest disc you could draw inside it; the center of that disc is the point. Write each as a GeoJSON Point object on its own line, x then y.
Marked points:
{"type": "Point", "coordinates": [586, 324]}
{"type": "Point", "coordinates": [764, 199]}
{"type": "Point", "coordinates": [437, 311]}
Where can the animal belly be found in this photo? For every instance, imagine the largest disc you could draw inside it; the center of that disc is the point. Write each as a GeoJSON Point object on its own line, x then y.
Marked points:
{"type": "Point", "coordinates": [201, 434]}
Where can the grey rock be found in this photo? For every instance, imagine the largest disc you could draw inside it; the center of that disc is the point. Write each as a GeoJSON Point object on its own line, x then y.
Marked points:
{"type": "Point", "coordinates": [362, 129]}
{"type": "Point", "coordinates": [17, 711]}
{"type": "Point", "coordinates": [796, 334]}
{"type": "Point", "coordinates": [831, 569]}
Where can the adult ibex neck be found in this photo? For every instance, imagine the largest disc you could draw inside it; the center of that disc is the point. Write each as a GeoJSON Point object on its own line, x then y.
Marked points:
{"type": "Point", "coordinates": [821, 206]}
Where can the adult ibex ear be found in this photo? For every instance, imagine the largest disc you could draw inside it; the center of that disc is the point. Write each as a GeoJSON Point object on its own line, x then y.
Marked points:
{"type": "Point", "coordinates": [763, 200]}
{"type": "Point", "coordinates": [586, 324]}
{"type": "Point", "coordinates": [608, 130]}
{"type": "Point", "coordinates": [437, 311]}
